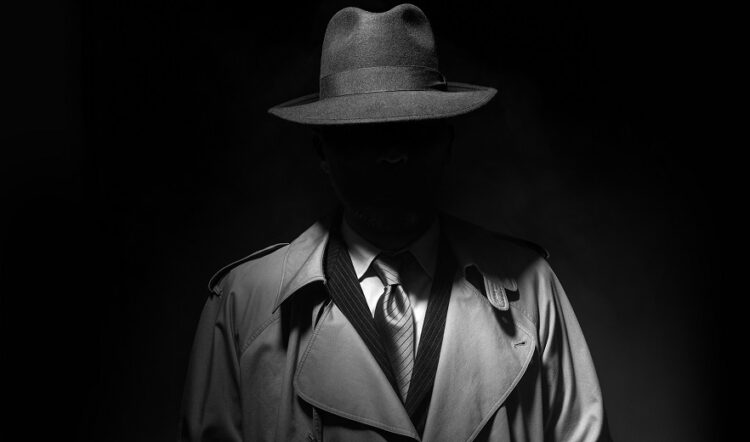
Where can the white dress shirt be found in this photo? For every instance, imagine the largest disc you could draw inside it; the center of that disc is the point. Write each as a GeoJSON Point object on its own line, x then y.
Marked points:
{"type": "Point", "coordinates": [415, 279]}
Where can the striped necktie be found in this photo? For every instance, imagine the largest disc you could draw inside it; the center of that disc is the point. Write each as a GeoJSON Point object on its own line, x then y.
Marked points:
{"type": "Point", "coordinates": [394, 319]}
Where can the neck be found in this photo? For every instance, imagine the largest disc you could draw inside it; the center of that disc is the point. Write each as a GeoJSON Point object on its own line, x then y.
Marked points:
{"type": "Point", "coordinates": [391, 240]}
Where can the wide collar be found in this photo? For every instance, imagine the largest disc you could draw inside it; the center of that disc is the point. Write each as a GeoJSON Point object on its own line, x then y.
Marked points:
{"type": "Point", "coordinates": [486, 348]}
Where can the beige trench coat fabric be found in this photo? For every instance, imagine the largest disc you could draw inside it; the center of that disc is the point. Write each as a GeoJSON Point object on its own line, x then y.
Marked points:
{"type": "Point", "coordinates": [516, 368]}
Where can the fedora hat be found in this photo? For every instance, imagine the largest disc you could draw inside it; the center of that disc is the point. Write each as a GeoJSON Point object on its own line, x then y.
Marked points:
{"type": "Point", "coordinates": [381, 67]}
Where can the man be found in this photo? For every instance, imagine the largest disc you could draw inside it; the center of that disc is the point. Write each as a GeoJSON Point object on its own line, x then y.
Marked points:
{"type": "Point", "coordinates": [389, 319]}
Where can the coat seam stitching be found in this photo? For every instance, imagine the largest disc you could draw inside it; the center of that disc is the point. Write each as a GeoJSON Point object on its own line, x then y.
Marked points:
{"type": "Point", "coordinates": [258, 332]}
{"type": "Point", "coordinates": [283, 273]}
{"type": "Point", "coordinates": [374, 423]}
{"type": "Point", "coordinates": [313, 402]}
{"type": "Point", "coordinates": [523, 312]}
{"type": "Point", "coordinates": [502, 399]}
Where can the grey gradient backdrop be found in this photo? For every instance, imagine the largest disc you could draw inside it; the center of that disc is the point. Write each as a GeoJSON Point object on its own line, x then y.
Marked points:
{"type": "Point", "coordinates": [155, 163]}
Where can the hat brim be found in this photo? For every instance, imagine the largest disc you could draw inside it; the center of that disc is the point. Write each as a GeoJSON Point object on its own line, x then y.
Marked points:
{"type": "Point", "coordinates": [391, 106]}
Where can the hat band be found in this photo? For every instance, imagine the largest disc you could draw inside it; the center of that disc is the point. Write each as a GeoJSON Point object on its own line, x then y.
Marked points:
{"type": "Point", "coordinates": [381, 79]}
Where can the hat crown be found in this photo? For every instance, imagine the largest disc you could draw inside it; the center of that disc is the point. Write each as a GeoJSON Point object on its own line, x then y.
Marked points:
{"type": "Point", "coordinates": [355, 38]}
{"type": "Point", "coordinates": [378, 67]}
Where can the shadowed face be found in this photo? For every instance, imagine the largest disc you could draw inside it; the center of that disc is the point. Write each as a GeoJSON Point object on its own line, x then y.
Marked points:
{"type": "Point", "coordinates": [386, 174]}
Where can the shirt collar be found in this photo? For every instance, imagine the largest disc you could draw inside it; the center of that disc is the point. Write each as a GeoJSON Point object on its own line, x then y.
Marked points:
{"type": "Point", "coordinates": [363, 251]}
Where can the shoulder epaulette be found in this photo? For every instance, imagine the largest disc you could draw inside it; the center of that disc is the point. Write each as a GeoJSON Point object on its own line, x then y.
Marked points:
{"type": "Point", "coordinates": [525, 243]}
{"type": "Point", "coordinates": [255, 255]}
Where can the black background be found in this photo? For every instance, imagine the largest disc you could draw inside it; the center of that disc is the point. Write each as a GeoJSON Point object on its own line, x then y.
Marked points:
{"type": "Point", "coordinates": [139, 158]}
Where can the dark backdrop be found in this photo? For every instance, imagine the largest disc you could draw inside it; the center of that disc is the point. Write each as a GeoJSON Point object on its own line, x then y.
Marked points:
{"type": "Point", "coordinates": [141, 158]}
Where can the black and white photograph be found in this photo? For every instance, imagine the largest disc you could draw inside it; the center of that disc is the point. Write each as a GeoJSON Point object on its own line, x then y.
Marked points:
{"type": "Point", "coordinates": [351, 221]}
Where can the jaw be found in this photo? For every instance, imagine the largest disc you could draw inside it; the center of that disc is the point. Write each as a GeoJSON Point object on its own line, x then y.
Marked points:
{"type": "Point", "coordinates": [393, 220]}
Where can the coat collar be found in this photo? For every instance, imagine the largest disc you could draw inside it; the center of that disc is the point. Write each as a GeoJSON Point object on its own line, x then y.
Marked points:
{"type": "Point", "coordinates": [338, 374]}
{"type": "Point", "coordinates": [303, 262]}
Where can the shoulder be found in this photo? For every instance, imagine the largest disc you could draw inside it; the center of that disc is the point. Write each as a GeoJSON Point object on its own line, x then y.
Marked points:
{"type": "Point", "coordinates": [245, 290]}
{"type": "Point", "coordinates": [493, 251]}
{"type": "Point", "coordinates": [255, 263]}
{"type": "Point", "coordinates": [522, 242]}
{"type": "Point", "coordinates": [249, 285]}
{"type": "Point", "coordinates": [515, 266]}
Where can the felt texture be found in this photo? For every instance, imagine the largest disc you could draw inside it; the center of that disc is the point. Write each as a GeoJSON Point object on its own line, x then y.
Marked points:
{"type": "Point", "coordinates": [381, 67]}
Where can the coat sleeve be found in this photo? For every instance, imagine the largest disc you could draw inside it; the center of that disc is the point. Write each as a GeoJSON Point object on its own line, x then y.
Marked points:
{"type": "Point", "coordinates": [573, 398]}
{"type": "Point", "coordinates": [210, 408]}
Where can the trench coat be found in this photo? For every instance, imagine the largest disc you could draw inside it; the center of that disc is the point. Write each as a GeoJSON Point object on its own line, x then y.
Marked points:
{"type": "Point", "coordinates": [275, 360]}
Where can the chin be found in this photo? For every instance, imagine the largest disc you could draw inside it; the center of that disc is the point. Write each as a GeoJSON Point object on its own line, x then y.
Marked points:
{"type": "Point", "coordinates": [393, 219]}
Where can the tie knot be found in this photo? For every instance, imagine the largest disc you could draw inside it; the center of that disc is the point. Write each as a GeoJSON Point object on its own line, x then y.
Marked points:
{"type": "Point", "coordinates": [389, 266]}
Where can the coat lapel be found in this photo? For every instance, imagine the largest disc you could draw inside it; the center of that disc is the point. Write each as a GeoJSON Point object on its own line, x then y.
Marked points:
{"type": "Point", "coordinates": [485, 352]}
{"type": "Point", "coordinates": [344, 369]}
{"type": "Point", "coordinates": [425, 365]}
{"type": "Point", "coordinates": [339, 374]}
